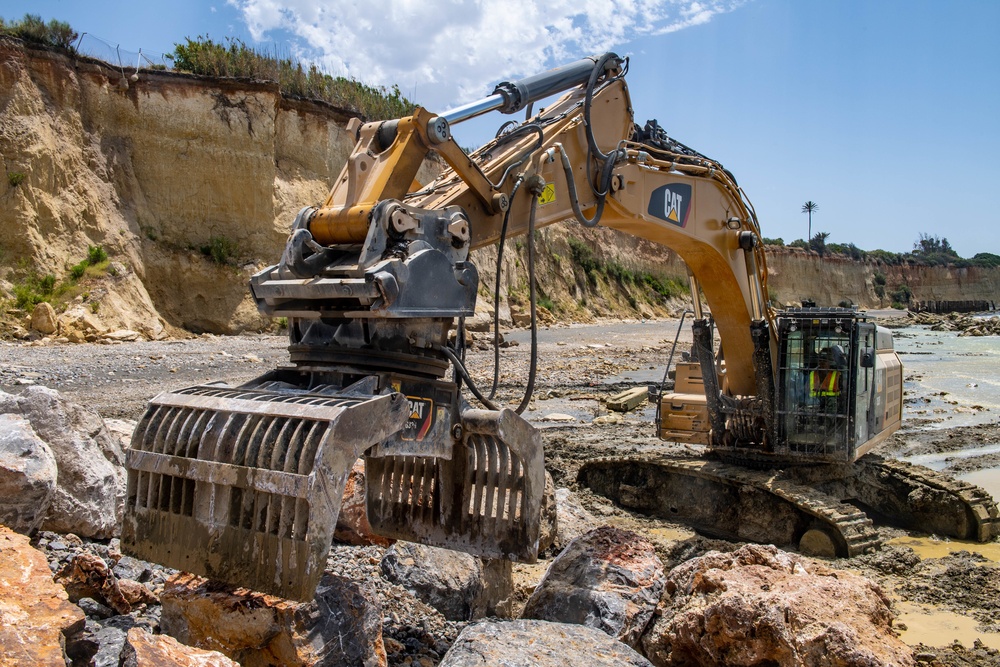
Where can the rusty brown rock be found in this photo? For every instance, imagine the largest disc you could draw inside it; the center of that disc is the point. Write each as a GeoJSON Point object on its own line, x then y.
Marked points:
{"type": "Point", "coordinates": [352, 522]}
{"type": "Point", "coordinates": [36, 616]}
{"type": "Point", "coordinates": [342, 626]}
{"type": "Point", "coordinates": [759, 605]}
{"type": "Point", "coordinates": [143, 649]}
{"type": "Point", "coordinates": [608, 579]}
{"type": "Point", "coordinates": [88, 576]}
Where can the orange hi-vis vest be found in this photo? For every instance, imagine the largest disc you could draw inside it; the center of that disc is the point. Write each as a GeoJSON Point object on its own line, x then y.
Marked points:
{"type": "Point", "coordinates": [824, 385]}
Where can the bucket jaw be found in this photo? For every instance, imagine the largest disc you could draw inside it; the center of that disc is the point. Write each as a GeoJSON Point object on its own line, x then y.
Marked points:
{"type": "Point", "coordinates": [245, 485]}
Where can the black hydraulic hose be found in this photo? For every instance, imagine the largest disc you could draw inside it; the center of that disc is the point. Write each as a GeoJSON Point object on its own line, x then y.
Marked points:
{"type": "Point", "coordinates": [595, 75]}
{"type": "Point", "coordinates": [535, 189]}
{"type": "Point", "coordinates": [464, 374]}
{"type": "Point", "coordinates": [459, 366]}
{"type": "Point", "coordinates": [496, 291]}
{"type": "Point", "coordinates": [606, 175]}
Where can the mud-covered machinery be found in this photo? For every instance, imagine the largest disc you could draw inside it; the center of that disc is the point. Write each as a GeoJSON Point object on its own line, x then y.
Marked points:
{"type": "Point", "coordinates": [244, 484]}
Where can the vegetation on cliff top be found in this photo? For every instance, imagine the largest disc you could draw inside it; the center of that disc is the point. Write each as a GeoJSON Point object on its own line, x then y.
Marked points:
{"type": "Point", "coordinates": [33, 29]}
{"type": "Point", "coordinates": [235, 59]}
{"type": "Point", "coordinates": [928, 250]}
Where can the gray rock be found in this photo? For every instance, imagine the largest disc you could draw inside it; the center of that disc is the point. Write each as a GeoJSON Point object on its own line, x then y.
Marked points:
{"type": "Point", "coordinates": [28, 475]}
{"type": "Point", "coordinates": [572, 519]}
{"type": "Point", "coordinates": [94, 609]}
{"type": "Point", "coordinates": [608, 579]}
{"type": "Point", "coordinates": [110, 640]}
{"type": "Point", "coordinates": [456, 584]}
{"type": "Point", "coordinates": [538, 644]}
{"type": "Point", "coordinates": [90, 491]}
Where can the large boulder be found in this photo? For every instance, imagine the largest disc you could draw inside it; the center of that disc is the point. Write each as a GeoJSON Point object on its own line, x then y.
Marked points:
{"type": "Point", "coordinates": [143, 649]}
{"type": "Point", "coordinates": [341, 626]}
{"type": "Point", "coordinates": [43, 319]}
{"type": "Point", "coordinates": [27, 475]}
{"type": "Point", "coordinates": [90, 492]}
{"type": "Point", "coordinates": [608, 579]}
{"type": "Point", "coordinates": [36, 617]}
{"type": "Point", "coordinates": [759, 605]}
{"type": "Point", "coordinates": [460, 586]}
{"type": "Point", "coordinates": [538, 644]}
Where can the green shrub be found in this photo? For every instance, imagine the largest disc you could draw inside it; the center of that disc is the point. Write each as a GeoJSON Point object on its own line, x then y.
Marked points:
{"type": "Point", "coordinates": [220, 249]}
{"type": "Point", "coordinates": [236, 59]}
{"type": "Point", "coordinates": [96, 254]}
{"type": "Point", "coordinates": [33, 29]}
{"type": "Point", "coordinates": [77, 271]}
{"type": "Point", "coordinates": [778, 241]}
{"type": "Point", "coordinates": [33, 289]}
{"type": "Point", "coordinates": [15, 178]}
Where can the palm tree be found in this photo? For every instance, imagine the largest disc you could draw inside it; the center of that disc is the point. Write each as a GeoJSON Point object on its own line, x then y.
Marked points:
{"type": "Point", "coordinates": [809, 207]}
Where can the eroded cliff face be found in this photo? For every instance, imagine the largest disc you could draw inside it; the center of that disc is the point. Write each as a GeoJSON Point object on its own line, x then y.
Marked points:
{"type": "Point", "coordinates": [159, 169]}
{"type": "Point", "coordinates": [153, 173]}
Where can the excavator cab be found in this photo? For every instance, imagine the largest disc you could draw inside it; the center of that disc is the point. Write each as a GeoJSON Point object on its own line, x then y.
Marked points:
{"type": "Point", "coordinates": [831, 399]}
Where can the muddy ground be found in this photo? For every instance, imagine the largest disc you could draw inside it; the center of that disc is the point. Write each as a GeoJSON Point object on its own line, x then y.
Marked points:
{"type": "Point", "coordinates": [579, 367]}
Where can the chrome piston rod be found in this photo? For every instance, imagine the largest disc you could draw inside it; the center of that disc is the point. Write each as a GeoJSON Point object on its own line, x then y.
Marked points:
{"type": "Point", "coordinates": [510, 97]}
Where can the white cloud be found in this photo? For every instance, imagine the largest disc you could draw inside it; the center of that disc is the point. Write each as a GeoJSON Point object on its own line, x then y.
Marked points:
{"type": "Point", "coordinates": [448, 52]}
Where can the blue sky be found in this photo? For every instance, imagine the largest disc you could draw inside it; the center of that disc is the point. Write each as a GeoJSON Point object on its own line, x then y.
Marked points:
{"type": "Point", "coordinates": [885, 112]}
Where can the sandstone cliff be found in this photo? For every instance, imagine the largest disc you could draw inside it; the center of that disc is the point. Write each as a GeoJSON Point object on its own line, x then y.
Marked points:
{"type": "Point", "coordinates": [170, 170]}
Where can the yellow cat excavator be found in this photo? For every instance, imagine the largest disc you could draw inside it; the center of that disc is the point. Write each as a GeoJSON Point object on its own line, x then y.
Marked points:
{"type": "Point", "coordinates": [244, 484]}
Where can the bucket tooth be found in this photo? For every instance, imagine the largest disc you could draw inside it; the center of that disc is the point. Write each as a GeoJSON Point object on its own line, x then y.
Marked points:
{"type": "Point", "coordinates": [484, 500]}
{"type": "Point", "coordinates": [245, 485]}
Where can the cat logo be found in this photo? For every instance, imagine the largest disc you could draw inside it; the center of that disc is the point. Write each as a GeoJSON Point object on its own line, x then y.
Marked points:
{"type": "Point", "coordinates": [671, 203]}
{"type": "Point", "coordinates": [421, 419]}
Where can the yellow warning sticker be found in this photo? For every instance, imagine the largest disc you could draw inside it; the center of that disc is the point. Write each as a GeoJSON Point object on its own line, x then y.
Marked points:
{"type": "Point", "coordinates": [548, 194]}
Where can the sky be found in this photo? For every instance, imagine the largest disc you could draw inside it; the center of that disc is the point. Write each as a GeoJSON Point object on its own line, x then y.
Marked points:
{"type": "Point", "coordinates": [884, 113]}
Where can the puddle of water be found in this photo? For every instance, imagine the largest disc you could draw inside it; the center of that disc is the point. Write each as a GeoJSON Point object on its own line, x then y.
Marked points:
{"type": "Point", "coordinates": [935, 627]}
{"type": "Point", "coordinates": [987, 479]}
{"type": "Point", "coordinates": [967, 369]}
{"type": "Point", "coordinates": [927, 547]}
{"type": "Point", "coordinates": [940, 460]}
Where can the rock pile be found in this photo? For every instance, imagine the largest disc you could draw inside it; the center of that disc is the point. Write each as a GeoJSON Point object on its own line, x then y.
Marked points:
{"type": "Point", "coordinates": [966, 325]}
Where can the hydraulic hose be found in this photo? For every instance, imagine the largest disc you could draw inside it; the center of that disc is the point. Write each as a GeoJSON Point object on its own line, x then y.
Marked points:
{"type": "Point", "coordinates": [496, 291]}
{"type": "Point", "coordinates": [535, 188]}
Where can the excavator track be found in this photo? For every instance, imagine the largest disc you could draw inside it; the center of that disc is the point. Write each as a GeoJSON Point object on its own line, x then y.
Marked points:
{"type": "Point", "coordinates": [926, 500]}
{"type": "Point", "coordinates": [734, 502]}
